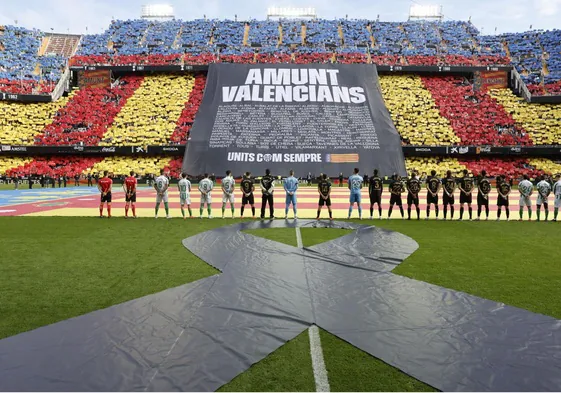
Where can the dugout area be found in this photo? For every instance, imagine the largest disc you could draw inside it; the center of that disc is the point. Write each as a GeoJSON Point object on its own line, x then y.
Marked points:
{"type": "Point", "coordinates": [201, 335]}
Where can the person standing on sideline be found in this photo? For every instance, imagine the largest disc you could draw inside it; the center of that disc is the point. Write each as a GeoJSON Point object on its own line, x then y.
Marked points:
{"type": "Point", "coordinates": [341, 179]}
{"type": "Point", "coordinates": [324, 190]}
{"type": "Point", "coordinates": [267, 189]}
{"type": "Point", "coordinates": [413, 188]}
{"type": "Point", "coordinates": [205, 187]}
{"type": "Point", "coordinates": [129, 186]}
{"type": "Point", "coordinates": [104, 186]}
{"type": "Point", "coordinates": [355, 186]}
{"type": "Point", "coordinates": [557, 196]}
{"type": "Point", "coordinates": [184, 187]}
{"type": "Point", "coordinates": [228, 185]}
{"type": "Point", "coordinates": [291, 186]}
{"type": "Point", "coordinates": [433, 184]}
{"type": "Point", "coordinates": [503, 189]}
{"type": "Point", "coordinates": [525, 188]}
{"type": "Point", "coordinates": [544, 189]}
{"type": "Point", "coordinates": [247, 188]}
{"type": "Point", "coordinates": [375, 189]}
{"type": "Point", "coordinates": [161, 186]}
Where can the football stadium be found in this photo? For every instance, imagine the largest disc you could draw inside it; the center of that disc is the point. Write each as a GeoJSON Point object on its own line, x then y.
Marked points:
{"type": "Point", "coordinates": [286, 202]}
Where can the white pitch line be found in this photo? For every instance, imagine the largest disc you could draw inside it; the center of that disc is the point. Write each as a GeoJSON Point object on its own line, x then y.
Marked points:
{"type": "Point", "coordinates": [318, 364]}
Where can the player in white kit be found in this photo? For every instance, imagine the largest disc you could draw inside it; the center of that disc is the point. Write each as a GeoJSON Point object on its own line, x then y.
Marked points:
{"type": "Point", "coordinates": [184, 187]}
{"type": "Point", "coordinates": [557, 196]}
{"type": "Point", "coordinates": [205, 187]}
{"type": "Point", "coordinates": [544, 189]}
{"type": "Point", "coordinates": [228, 185]}
{"type": "Point", "coordinates": [161, 186]}
{"type": "Point", "coordinates": [526, 188]}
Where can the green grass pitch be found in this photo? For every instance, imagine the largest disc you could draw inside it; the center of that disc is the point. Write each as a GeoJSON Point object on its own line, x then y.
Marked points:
{"type": "Point", "coordinates": [53, 269]}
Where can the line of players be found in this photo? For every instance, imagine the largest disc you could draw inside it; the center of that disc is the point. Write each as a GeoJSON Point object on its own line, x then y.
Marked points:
{"type": "Point", "coordinates": [397, 187]}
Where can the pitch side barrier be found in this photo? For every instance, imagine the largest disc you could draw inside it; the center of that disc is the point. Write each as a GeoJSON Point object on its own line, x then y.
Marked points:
{"type": "Point", "coordinates": [171, 150]}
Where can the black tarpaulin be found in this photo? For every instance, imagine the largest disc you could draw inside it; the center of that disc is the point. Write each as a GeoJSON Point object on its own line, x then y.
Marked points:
{"type": "Point", "coordinates": [201, 335]}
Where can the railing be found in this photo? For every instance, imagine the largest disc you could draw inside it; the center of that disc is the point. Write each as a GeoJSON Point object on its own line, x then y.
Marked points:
{"type": "Point", "coordinates": [520, 86]}
{"type": "Point", "coordinates": [61, 85]}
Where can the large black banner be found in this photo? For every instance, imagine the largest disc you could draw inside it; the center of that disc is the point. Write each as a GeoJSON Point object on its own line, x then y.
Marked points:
{"type": "Point", "coordinates": [327, 118]}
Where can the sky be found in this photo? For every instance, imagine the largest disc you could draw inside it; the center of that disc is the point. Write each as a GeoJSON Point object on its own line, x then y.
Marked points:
{"type": "Point", "coordinates": [94, 16]}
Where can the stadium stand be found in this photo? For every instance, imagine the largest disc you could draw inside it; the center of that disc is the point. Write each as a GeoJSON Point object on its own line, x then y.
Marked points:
{"type": "Point", "coordinates": [439, 164]}
{"type": "Point", "coordinates": [185, 121]}
{"type": "Point", "coordinates": [541, 121]}
{"type": "Point", "coordinates": [7, 164]}
{"type": "Point", "coordinates": [21, 123]}
{"type": "Point", "coordinates": [160, 109]}
{"type": "Point", "coordinates": [86, 117]}
{"type": "Point", "coordinates": [54, 166]}
{"type": "Point", "coordinates": [123, 165]}
{"type": "Point", "coordinates": [414, 112]}
{"type": "Point", "coordinates": [22, 70]}
{"type": "Point", "coordinates": [149, 116]}
{"type": "Point", "coordinates": [475, 116]}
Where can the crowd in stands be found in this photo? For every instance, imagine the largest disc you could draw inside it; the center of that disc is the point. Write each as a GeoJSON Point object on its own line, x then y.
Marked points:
{"type": "Point", "coordinates": [151, 113]}
{"type": "Point", "coordinates": [22, 70]}
{"type": "Point", "coordinates": [414, 112]}
{"type": "Point", "coordinates": [477, 118]}
{"type": "Point", "coordinates": [536, 54]}
{"type": "Point", "coordinates": [86, 117]}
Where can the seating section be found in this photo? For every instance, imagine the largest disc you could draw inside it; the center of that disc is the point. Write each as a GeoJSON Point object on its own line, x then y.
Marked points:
{"type": "Point", "coordinates": [123, 165]}
{"type": "Point", "coordinates": [439, 164]}
{"type": "Point", "coordinates": [7, 164]}
{"type": "Point", "coordinates": [419, 43]}
{"type": "Point", "coordinates": [545, 165]}
{"type": "Point", "coordinates": [185, 121]}
{"type": "Point", "coordinates": [62, 44]}
{"type": "Point", "coordinates": [21, 123]}
{"type": "Point", "coordinates": [537, 56]}
{"type": "Point", "coordinates": [542, 122]}
{"type": "Point", "coordinates": [88, 114]}
{"type": "Point", "coordinates": [511, 168]}
{"type": "Point", "coordinates": [150, 115]}
{"type": "Point", "coordinates": [22, 70]}
{"type": "Point", "coordinates": [476, 117]}
{"type": "Point", "coordinates": [54, 166]}
{"type": "Point", "coordinates": [414, 112]}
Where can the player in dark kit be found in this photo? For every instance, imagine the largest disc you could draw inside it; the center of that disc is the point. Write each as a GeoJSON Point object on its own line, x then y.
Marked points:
{"type": "Point", "coordinates": [503, 187]}
{"type": "Point", "coordinates": [448, 196]}
{"type": "Point", "coordinates": [130, 194]}
{"type": "Point", "coordinates": [433, 187]}
{"type": "Point", "coordinates": [375, 189]}
{"type": "Point", "coordinates": [324, 190]}
{"type": "Point", "coordinates": [247, 187]}
{"type": "Point", "coordinates": [267, 188]}
{"type": "Point", "coordinates": [413, 189]}
{"type": "Point", "coordinates": [484, 188]}
{"type": "Point", "coordinates": [396, 188]}
{"type": "Point", "coordinates": [466, 187]}
{"type": "Point", "coordinates": [104, 186]}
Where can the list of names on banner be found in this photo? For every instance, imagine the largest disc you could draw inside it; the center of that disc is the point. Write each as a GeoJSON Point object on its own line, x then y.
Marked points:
{"type": "Point", "coordinates": [284, 127]}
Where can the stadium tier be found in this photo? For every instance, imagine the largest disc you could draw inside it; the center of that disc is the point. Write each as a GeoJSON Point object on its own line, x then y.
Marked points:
{"type": "Point", "coordinates": [158, 109]}
{"type": "Point", "coordinates": [32, 62]}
